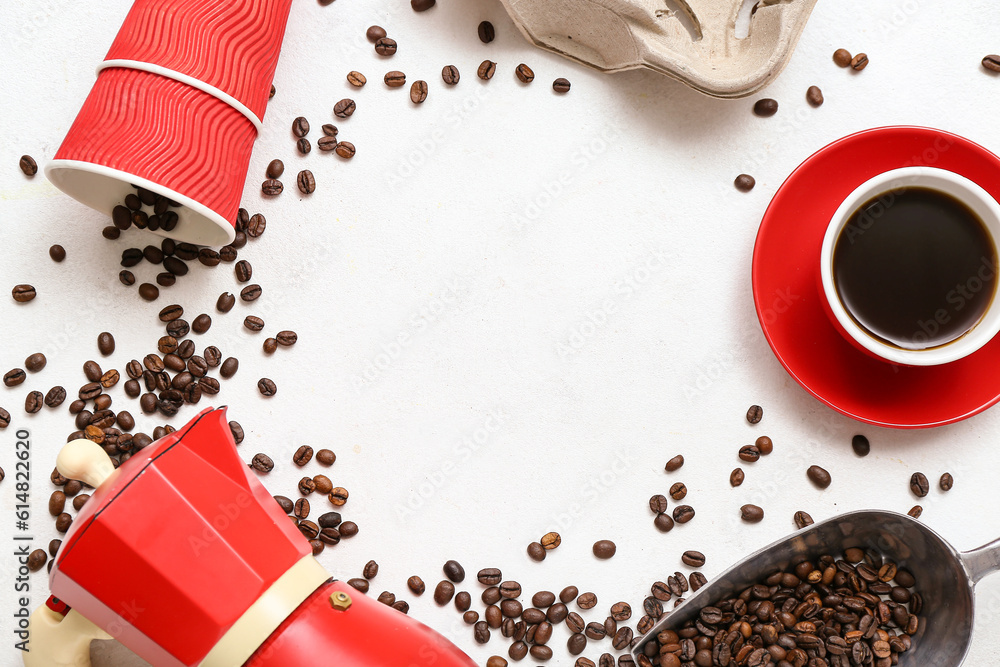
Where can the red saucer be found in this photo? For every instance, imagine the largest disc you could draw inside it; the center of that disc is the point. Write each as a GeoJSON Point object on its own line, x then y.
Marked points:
{"type": "Point", "coordinates": [789, 303]}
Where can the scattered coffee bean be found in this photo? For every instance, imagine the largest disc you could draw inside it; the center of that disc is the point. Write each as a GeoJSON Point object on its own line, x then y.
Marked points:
{"type": "Point", "coordinates": [524, 73]}
{"type": "Point", "coordinates": [551, 540]}
{"type": "Point", "coordinates": [915, 512]}
{"type": "Point", "coordinates": [683, 513]}
{"type": "Point", "coordinates": [358, 584]}
{"type": "Point", "coordinates": [489, 576]}
{"type": "Point", "coordinates": [270, 345]}
{"type": "Point", "coordinates": [4, 423]}
{"type": "Point", "coordinates": [678, 491]}
{"type": "Point", "coordinates": [450, 75]}
{"type": "Point", "coordinates": [860, 445]}
{"type": "Point", "coordinates": [674, 464]}
{"type": "Point", "coordinates": [487, 33]}
{"type": "Point", "coordinates": [28, 165]}
{"type": "Point", "coordinates": [35, 362]}
{"type": "Point", "coordinates": [229, 367]}
{"type": "Point", "coordinates": [251, 293]}
{"type": "Point", "coordinates": [764, 445]}
{"type": "Point", "coordinates": [23, 293]}
{"type": "Point", "coordinates": [275, 169]}
{"type": "Point", "coordinates": [356, 79]}
{"type": "Point", "coordinates": [842, 57]}
{"type": "Point", "coordinates": [338, 496]}
{"type": "Point", "coordinates": [814, 96]}
{"type": "Point", "coordinates": [262, 463]}
{"type": "Point", "coordinates": [55, 397]}
{"type": "Point", "coordinates": [765, 107]}
{"type": "Point", "coordinates": [486, 70]}
{"type": "Point", "coordinates": [536, 552]}
{"type": "Point", "coordinates": [511, 589]}
{"type": "Point", "coordinates": [300, 127]}
{"type": "Point", "coordinates": [111, 233]}
{"type": "Point", "coordinates": [344, 108]}
{"type": "Point", "coordinates": [751, 513]}
{"type": "Point", "coordinates": [454, 571]}
{"type": "Point", "coordinates": [919, 484]}
{"type": "Point", "coordinates": [266, 387]}
{"type": "Point", "coordinates": [37, 559]}
{"type": "Point", "coordinates": [604, 549]}
{"type": "Point", "coordinates": [33, 402]}
{"type": "Point", "coordinates": [421, 5]}
{"type": "Point", "coordinates": [561, 85]}
{"type": "Point", "coordinates": [749, 453]}
{"type": "Point", "coordinates": [306, 182]}
{"type": "Point", "coordinates": [658, 503]}
{"type": "Point", "coordinates": [663, 522]}
{"type": "Point", "coordinates": [818, 476]}
{"type": "Point", "coordinates": [394, 79]}
{"type": "Point", "coordinates": [253, 323]}
{"type": "Point", "coordinates": [947, 481]}
{"type": "Point", "coordinates": [992, 63]}
{"type": "Point", "coordinates": [463, 601]}
{"type": "Point", "coordinates": [345, 149]}
{"type": "Point", "coordinates": [375, 33]}
{"type": "Point", "coordinates": [225, 303]}
{"type": "Point", "coordinates": [443, 592]}
{"type": "Point", "coordinates": [57, 253]}
{"type": "Point", "coordinates": [693, 558]}
{"type": "Point", "coordinates": [257, 225]}
{"type": "Point", "coordinates": [736, 477]}
{"type": "Point", "coordinates": [754, 414]}
{"type": "Point", "coordinates": [385, 46]}
{"type": "Point", "coordinates": [327, 144]}
{"type": "Point", "coordinates": [326, 457]}
{"type": "Point", "coordinates": [149, 291]}
{"type": "Point", "coordinates": [418, 92]}
{"type": "Point", "coordinates": [496, 661]}
{"type": "Point", "coordinates": [14, 377]}
{"type": "Point", "coordinates": [302, 456]}
{"type": "Point", "coordinates": [273, 187]}
{"type": "Point", "coordinates": [416, 585]}
{"type": "Point", "coordinates": [802, 519]}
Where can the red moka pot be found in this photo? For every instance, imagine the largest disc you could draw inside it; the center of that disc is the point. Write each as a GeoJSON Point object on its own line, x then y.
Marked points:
{"type": "Point", "coordinates": [208, 571]}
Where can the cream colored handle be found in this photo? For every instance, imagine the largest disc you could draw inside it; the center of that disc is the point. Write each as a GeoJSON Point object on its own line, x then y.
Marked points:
{"type": "Point", "coordinates": [86, 461]}
{"type": "Point", "coordinates": [57, 641]}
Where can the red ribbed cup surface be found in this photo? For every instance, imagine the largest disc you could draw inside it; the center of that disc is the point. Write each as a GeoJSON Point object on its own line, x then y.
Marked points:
{"type": "Point", "coordinates": [230, 44]}
{"type": "Point", "coordinates": [166, 132]}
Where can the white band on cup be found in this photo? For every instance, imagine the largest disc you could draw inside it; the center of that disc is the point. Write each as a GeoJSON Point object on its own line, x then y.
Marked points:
{"type": "Point", "coordinates": [189, 80]}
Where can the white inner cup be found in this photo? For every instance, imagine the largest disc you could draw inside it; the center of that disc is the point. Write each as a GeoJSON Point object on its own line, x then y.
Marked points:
{"type": "Point", "coordinates": [885, 184]}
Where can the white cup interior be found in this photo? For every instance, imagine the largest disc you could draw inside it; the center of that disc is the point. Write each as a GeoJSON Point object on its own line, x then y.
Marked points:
{"type": "Point", "coordinates": [959, 187]}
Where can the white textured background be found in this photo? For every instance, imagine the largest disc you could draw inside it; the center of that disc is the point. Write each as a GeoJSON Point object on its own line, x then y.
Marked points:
{"type": "Point", "coordinates": [447, 227]}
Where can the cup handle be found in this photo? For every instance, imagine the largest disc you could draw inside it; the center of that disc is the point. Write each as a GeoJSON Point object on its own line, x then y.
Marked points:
{"type": "Point", "coordinates": [982, 561]}
{"type": "Point", "coordinates": [60, 641]}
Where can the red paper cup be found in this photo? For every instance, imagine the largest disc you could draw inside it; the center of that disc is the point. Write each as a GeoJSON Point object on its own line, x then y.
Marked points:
{"type": "Point", "coordinates": [142, 129]}
{"type": "Point", "coordinates": [229, 45]}
{"type": "Point", "coordinates": [176, 108]}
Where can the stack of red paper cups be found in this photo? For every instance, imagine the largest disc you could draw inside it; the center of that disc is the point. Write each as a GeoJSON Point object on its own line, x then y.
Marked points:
{"type": "Point", "coordinates": [177, 105]}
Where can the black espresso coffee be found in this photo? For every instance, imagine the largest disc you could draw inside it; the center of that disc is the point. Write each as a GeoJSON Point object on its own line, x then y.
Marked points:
{"type": "Point", "coordinates": [915, 268]}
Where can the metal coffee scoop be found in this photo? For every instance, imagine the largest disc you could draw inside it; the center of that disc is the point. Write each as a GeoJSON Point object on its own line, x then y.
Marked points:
{"type": "Point", "coordinates": [945, 578]}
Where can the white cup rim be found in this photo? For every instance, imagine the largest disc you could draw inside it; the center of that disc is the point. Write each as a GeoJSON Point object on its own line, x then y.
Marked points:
{"type": "Point", "coordinates": [969, 192]}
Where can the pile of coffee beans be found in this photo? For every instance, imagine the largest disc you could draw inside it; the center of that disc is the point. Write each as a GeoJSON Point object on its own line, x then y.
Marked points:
{"type": "Point", "coordinates": [859, 609]}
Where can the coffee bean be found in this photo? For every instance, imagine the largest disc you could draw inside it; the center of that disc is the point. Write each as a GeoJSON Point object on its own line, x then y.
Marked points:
{"type": "Point", "coordinates": [275, 169]}
{"type": "Point", "coordinates": [262, 463]}
{"type": "Point", "coordinates": [486, 70]}
{"type": "Point", "coordinates": [258, 223]}
{"type": "Point", "coordinates": [266, 387]}
{"type": "Point", "coordinates": [859, 62]}
{"type": "Point", "coordinates": [35, 362]}
{"type": "Point", "coordinates": [678, 491]}
{"type": "Point", "coordinates": [286, 338]}
{"type": "Point", "coordinates": [551, 540]}
{"type": "Point", "coordinates": [764, 108]}
{"type": "Point", "coordinates": [110, 379]}
{"type": "Point", "coordinates": [33, 402]}
{"type": "Point", "coordinates": [325, 457]}
{"type": "Point", "coordinates": [524, 73]}
{"type": "Point", "coordinates": [370, 570]}
{"type": "Point", "coordinates": [992, 63]}
{"type": "Point", "coordinates": [444, 591]}
{"type": "Point", "coordinates": [64, 522]}
{"type": "Point", "coordinates": [57, 253]}
{"type": "Point", "coordinates": [202, 323]}
{"type": "Point", "coordinates": [394, 79]}
{"type": "Point", "coordinates": [272, 187]}
{"type": "Point", "coordinates": [450, 75]}
{"type": "Point", "coordinates": [754, 413]}
{"type": "Point", "coordinates": [576, 644]}
{"type": "Point", "coordinates": [536, 552]}
{"type": "Point", "coordinates": [303, 455]}
{"type": "Point", "coordinates": [674, 464]}
{"type": "Point", "coordinates": [683, 513]}
{"type": "Point", "coordinates": [487, 33]}
{"type": "Point", "coordinates": [111, 233]}
{"type": "Point", "coordinates": [751, 513]}
{"type": "Point", "coordinates": [919, 484]}
{"type": "Point", "coordinates": [178, 328]}
{"type": "Point", "coordinates": [229, 367]}
{"type": "Point", "coordinates": [818, 476]}
{"type": "Point", "coordinates": [736, 477]}
{"type": "Point", "coordinates": [4, 423]}
{"type": "Point", "coordinates": [463, 600]}
{"type": "Point", "coordinates": [561, 85]}
{"type": "Point", "coordinates": [375, 33]}
{"type": "Point", "coordinates": [270, 345]}
{"type": "Point", "coordinates": [814, 96]}
{"type": "Point", "coordinates": [55, 397]}
{"type": "Point", "coordinates": [587, 600]}
{"type": "Point", "coordinates": [345, 149]}
{"type": "Point", "coordinates": [658, 503]}
{"type": "Point", "coordinates": [518, 650]}
{"type": "Point", "coordinates": [356, 79]}
{"type": "Point", "coordinates": [14, 377]}
{"type": "Point", "coordinates": [947, 481]}
{"type": "Point", "coordinates": [802, 519]}
{"type": "Point", "coordinates": [764, 445]}
{"type": "Point", "coordinates": [842, 57]}
{"type": "Point", "coordinates": [126, 278]}
{"type": "Point", "coordinates": [225, 302]}
{"type": "Point", "coordinates": [489, 576]}
{"type": "Point", "coordinates": [421, 5]}
{"type": "Point", "coordinates": [664, 523]}
{"type": "Point", "coordinates": [251, 293]}
{"type": "Point", "coordinates": [300, 127]}
{"type": "Point", "coordinates": [693, 558]}
{"type": "Point", "coordinates": [916, 511]}
{"type": "Point", "coordinates": [306, 182]}
{"type": "Point", "coordinates": [167, 345]}
{"type": "Point", "coordinates": [385, 46]}
{"type": "Point", "coordinates": [301, 508]}
{"type": "Point", "coordinates": [604, 549]}
{"type": "Point", "coordinates": [345, 108]}
{"type": "Point", "coordinates": [28, 165]}
{"type": "Point", "coordinates": [23, 293]}
{"type": "Point", "coordinates": [105, 343]}
{"type": "Point", "coordinates": [454, 571]}
{"type": "Point", "coordinates": [338, 496]}
{"type": "Point", "coordinates": [860, 445]}
{"type": "Point", "coordinates": [418, 92]}
{"type": "Point", "coordinates": [149, 291]}
{"type": "Point", "coordinates": [37, 558]}
{"type": "Point", "coordinates": [327, 144]}
{"type": "Point", "coordinates": [749, 453]}
{"type": "Point", "coordinates": [309, 529]}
